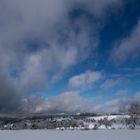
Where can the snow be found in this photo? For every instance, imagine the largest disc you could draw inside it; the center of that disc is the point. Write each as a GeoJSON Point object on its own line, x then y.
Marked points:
{"type": "Point", "coordinates": [91, 126]}
{"type": "Point", "coordinates": [109, 117]}
{"type": "Point", "coordinates": [70, 135]}
{"type": "Point", "coordinates": [102, 127]}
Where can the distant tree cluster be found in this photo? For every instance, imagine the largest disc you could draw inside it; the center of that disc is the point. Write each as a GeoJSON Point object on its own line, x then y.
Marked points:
{"type": "Point", "coordinates": [134, 111]}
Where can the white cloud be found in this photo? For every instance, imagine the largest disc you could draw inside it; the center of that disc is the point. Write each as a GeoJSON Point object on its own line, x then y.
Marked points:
{"type": "Point", "coordinates": [39, 66]}
{"type": "Point", "coordinates": [84, 79]}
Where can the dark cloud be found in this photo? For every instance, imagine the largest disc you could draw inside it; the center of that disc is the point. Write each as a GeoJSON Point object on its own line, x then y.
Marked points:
{"type": "Point", "coordinates": [10, 100]}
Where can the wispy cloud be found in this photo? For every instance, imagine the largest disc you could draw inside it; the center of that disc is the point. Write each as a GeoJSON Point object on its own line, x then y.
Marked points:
{"type": "Point", "coordinates": [110, 83]}
{"type": "Point", "coordinates": [84, 79]}
{"type": "Point", "coordinates": [128, 48]}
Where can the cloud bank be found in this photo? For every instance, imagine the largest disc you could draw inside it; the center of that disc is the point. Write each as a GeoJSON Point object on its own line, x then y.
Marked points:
{"type": "Point", "coordinates": [68, 102]}
{"type": "Point", "coordinates": [117, 105]}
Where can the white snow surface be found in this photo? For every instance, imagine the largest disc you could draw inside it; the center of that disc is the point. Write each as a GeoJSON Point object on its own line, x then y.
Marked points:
{"type": "Point", "coordinates": [109, 117]}
{"type": "Point", "coordinates": [70, 135]}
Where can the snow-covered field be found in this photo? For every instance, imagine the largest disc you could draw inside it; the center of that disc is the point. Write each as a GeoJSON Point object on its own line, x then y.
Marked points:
{"type": "Point", "coordinates": [71, 135]}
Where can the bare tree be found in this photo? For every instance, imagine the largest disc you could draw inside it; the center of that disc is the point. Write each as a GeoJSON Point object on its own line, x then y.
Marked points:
{"type": "Point", "coordinates": [134, 111]}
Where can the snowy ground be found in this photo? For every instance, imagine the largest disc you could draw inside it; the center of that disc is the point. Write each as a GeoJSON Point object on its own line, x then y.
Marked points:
{"type": "Point", "coordinates": [71, 135]}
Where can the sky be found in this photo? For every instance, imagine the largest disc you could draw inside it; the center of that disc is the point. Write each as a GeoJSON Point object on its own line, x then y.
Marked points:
{"type": "Point", "coordinates": [69, 56]}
